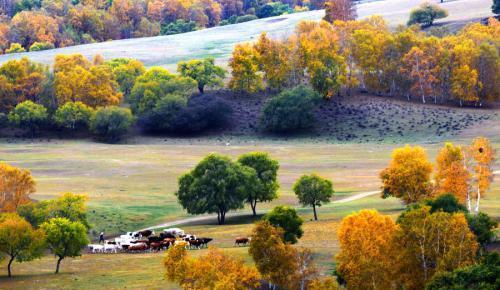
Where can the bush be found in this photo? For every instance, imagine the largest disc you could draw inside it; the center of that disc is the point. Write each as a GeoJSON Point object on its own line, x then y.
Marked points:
{"type": "Point", "coordinates": [111, 123]}
{"type": "Point", "coordinates": [73, 115]}
{"type": "Point", "coordinates": [164, 114]}
{"type": "Point", "coordinates": [38, 46]}
{"type": "Point", "coordinates": [483, 227]}
{"type": "Point", "coordinates": [273, 9]}
{"type": "Point", "coordinates": [245, 18]}
{"type": "Point", "coordinates": [426, 14]}
{"type": "Point", "coordinates": [291, 110]}
{"type": "Point", "coordinates": [286, 218]}
{"type": "Point", "coordinates": [28, 115]}
{"type": "Point", "coordinates": [15, 48]}
{"type": "Point", "coordinates": [179, 26]}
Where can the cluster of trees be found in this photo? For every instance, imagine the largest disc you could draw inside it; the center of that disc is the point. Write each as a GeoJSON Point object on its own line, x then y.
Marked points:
{"type": "Point", "coordinates": [218, 185]}
{"type": "Point", "coordinates": [341, 56]}
{"type": "Point", "coordinates": [428, 245]}
{"type": "Point", "coordinates": [32, 25]}
{"type": "Point", "coordinates": [27, 229]}
{"type": "Point", "coordinates": [465, 172]}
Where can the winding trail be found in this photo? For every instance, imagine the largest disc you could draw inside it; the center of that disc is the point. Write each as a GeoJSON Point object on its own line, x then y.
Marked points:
{"type": "Point", "coordinates": [211, 217]}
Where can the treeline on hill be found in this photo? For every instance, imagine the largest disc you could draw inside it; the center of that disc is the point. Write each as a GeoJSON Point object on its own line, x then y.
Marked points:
{"type": "Point", "coordinates": [43, 24]}
{"type": "Point", "coordinates": [340, 57]}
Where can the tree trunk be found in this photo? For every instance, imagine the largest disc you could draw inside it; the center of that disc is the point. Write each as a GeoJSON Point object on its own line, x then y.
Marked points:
{"type": "Point", "coordinates": [8, 266]}
{"type": "Point", "coordinates": [315, 215]}
{"type": "Point", "coordinates": [58, 264]}
{"type": "Point", "coordinates": [253, 204]}
{"type": "Point", "coordinates": [201, 88]}
{"type": "Point", "coordinates": [476, 210]}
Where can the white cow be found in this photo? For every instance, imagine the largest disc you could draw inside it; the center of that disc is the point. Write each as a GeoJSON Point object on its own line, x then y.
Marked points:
{"type": "Point", "coordinates": [96, 248]}
{"type": "Point", "coordinates": [174, 231]}
{"type": "Point", "coordinates": [111, 248]}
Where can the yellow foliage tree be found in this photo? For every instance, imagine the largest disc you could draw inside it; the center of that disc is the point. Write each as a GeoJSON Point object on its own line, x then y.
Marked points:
{"type": "Point", "coordinates": [482, 156]}
{"type": "Point", "coordinates": [366, 258]}
{"type": "Point", "coordinates": [244, 69]}
{"type": "Point", "coordinates": [408, 175]}
{"type": "Point", "coordinates": [451, 172]}
{"type": "Point", "coordinates": [432, 243]}
{"type": "Point", "coordinates": [15, 187]}
{"type": "Point", "coordinates": [213, 270]}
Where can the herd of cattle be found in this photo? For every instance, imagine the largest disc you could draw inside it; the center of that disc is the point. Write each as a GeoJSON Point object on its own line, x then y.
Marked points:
{"type": "Point", "coordinates": [148, 240]}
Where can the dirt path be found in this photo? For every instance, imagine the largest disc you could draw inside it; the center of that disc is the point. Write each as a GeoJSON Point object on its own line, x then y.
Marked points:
{"type": "Point", "coordinates": [210, 217]}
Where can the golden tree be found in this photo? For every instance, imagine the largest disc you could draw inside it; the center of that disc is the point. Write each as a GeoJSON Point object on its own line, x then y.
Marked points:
{"type": "Point", "coordinates": [482, 156]}
{"type": "Point", "coordinates": [15, 187]}
{"type": "Point", "coordinates": [408, 175]}
{"type": "Point", "coordinates": [343, 10]}
{"type": "Point", "coordinates": [451, 172]}
{"type": "Point", "coordinates": [244, 69]}
{"type": "Point", "coordinates": [366, 258]}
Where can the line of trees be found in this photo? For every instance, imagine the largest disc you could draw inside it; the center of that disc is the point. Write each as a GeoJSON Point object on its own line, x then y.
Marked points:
{"type": "Point", "coordinates": [337, 58]}
{"type": "Point", "coordinates": [28, 229]}
{"type": "Point", "coordinates": [38, 25]}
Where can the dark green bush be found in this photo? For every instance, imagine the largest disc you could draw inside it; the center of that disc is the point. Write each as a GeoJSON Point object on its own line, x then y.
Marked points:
{"type": "Point", "coordinates": [273, 9]}
{"type": "Point", "coordinates": [111, 123]}
{"type": "Point", "coordinates": [290, 111]}
{"type": "Point", "coordinates": [179, 26]}
{"type": "Point", "coordinates": [245, 18]}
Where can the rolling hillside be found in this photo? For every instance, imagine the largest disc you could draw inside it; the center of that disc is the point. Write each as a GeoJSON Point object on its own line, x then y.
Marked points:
{"type": "Point", "coordinates": [218, 42]}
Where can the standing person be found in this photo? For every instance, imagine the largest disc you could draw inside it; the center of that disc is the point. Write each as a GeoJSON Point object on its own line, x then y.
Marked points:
{"type": "Point", "coordinates": [101, 237]}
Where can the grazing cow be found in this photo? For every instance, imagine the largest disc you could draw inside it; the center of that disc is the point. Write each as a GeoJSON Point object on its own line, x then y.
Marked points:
{"type": "Point", "coordinates": [167, 235]}
{"type": "Point", "coordinates": [154, 239]}
{"type": "Point", "coordinates": [195, 244]}
{"type": "Point", "coordinates": [241, 241]}
{"type": "Point", "coordinates": [138, 247]}
{"type": "Point", "coordinates": [96, 248]}
{"type": "Point", "coordinates": [111, 248]}
{"type": "Point", "coordinates": [176, 232]}
{"type": "Point", "coordinates": [156, 246]}
{"type": "Point", "coordinates": [205, 241]}
{"type": "Point", "coordinates": [165, 245]}
{"type": "Point", "coordinates": [145, 233]}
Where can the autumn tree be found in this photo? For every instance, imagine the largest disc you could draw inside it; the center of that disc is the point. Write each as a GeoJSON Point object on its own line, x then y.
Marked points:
{"type": "Point", "coordinates": [73, 115]}
{"type": "Point", "coordinates": [451, 173]}
{"type": "Point", "coordinates": [313, 190]}
{"type": "Point", "coordinates": [244, 70]}
{"type": "Point", "coordinates": [215, 185]}
{"type": "Point", "coordinates": [273, 57]}
{"type": "Point", "coordinates": [432, 243]}
{"type": "Point", "coordinates": [366, 257]}
{"type": "Point", "coordinates": [287, 219]}
{"type": "Point", "coordinates": [482, 156]}
{"type": "Point", "coordinates": [275, 260]}
{"type": "Point", "coordinates": [19, 241]}
{"type": "Point", "coordinates": [204, 72]}
{"type": "Point", "coordinates": [30, 26]}
{"type": "Point", "coordinates": [126, 71]}
{"type": "Point", "coordinates": [15, 187]}
{"type": "Point", "coordinates": [420, 68]}
{"type": "Point", "coordinates": [408, 175]}
{"type": "Point", "coordinates": [266, 169]}
{"type": "Point", "coordinates": [65, 238]}
{"type": "Point", "coordinates": [28, 115]}
{"type": "Point", "coordinates": [343, 10]}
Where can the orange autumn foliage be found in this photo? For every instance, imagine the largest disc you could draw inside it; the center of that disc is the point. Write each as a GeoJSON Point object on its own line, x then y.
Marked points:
{"type": "Point", "coordinates": [15, 187]}
{"type": "Point", "coordinates": [451, 174]}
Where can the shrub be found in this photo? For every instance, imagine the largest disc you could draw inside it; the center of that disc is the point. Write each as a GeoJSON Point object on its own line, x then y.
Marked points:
{"type": "Point", "coordinates": [179, 26]}
{"type": "Point", "coordinates": [245, 18]}
{"type": "Point", "coordinates": [73, 115]}
{"type": "Point", "coordinates": [426, 14]}
{"type": "Point", "coordinates": [273, 9]}
{"type": "Point", "coordinates": [202, 113]}
{"type": "Point", "coordinates": [111, 123]}
{"type": "Point", "coordinates": [287, 219]}
{"type": "Point", "coordinates": [28, 115]}
{"type": "Point", "coordinates": [164, 114]}
{"type": "Point", "coordinates": [15, 48]}
{"type": "Point", "coordinates": [291, 110]}
{"type": "Point", "coordinates": [38, 46]}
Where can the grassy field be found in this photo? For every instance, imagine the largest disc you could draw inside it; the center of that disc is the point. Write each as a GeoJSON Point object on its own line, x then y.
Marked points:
{"type": "Point", "coordinates": [218, 42]}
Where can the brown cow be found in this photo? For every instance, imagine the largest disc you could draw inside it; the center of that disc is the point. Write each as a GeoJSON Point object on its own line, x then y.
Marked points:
{"type": "Point", "coordinates": [241, 241]}
{"type": "Point", "coordinates": [138, 247]}
{"type": "Point", "coordinates": [156, 246]}
{"type": "Point", "coordinates": [195, 244]}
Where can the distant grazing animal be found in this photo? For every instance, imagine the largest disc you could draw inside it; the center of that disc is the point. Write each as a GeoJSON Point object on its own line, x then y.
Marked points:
{"type": "Point", "coordinates": [138, 247]}
{"type": "Point", "coordinates": [205, 241]}
{"type": "Point", "coordinates": [155, 246]}
{"type": "Point", "coordinates": [146, 233]}
{"type": "Point", "coordinates": [110, 248]}
{"type": "Point", "coordinates": [154, 239]}
{"type": "Point", "coordinates": [241, 241]}
{"type": "Point", "coordinates": [166, 235]}
{"type": "Point", "coordinates": [195, 244]}
{"type": "Point", "coordinates": [96, 248]}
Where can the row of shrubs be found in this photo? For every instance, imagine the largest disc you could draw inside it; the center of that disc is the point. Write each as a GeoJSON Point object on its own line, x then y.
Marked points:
{"type": "Point", "coordinates": [287, 112]}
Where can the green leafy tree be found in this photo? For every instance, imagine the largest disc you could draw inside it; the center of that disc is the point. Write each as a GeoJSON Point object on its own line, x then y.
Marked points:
{"type": "Point", "coordinates": [215, 185]}
{"type": "Point", "coordinates": [267, 171]}
{"type": "Point", "coordinates": [15, 48]}
{"type": "Point", "coordinates": [287, 219]}
{"type": "Point", "coordinates": [126, 71]}
{"type": "Point", "coordinates": [28, 115]}
{"type": "Point", "coordinates": [447, 203]}
{"type": "Point", "coordinates": [482, 276]}
{"type": "Point", "coordinates": [483, 227]}
{"type": "Point", "coordinates": [313, 190]}
{"type": "Point", "coordinates": [73, 115]}
{"type": "Point", "coordinates": [291, 110]}
{"type": "Point", "coordinates": [426, 14]}
{"type": "Point", "coordinates": [18, 240]}
{"type": "Point", "coordinates": [65, 238]}
{"type": "Point", "coordinates": [204, 72]}
{"type": "Point", "coordinates": [111, 123]}
{"type": "Point", "coordinates": [162, 117]}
